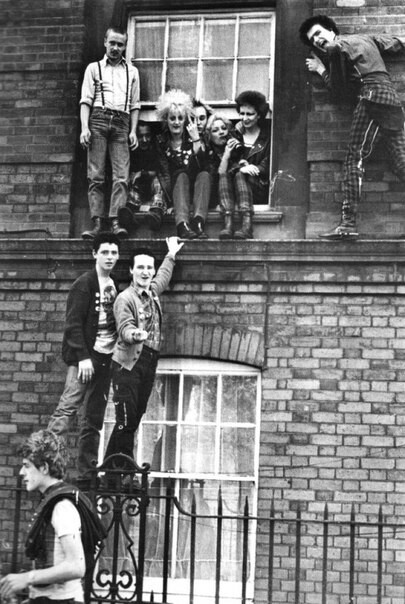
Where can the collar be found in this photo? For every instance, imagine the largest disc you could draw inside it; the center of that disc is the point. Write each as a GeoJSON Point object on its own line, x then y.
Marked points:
{"type": "Point", "coordinates": [140, 291]}
{"type": "Point", "coordinates": [105, 61]}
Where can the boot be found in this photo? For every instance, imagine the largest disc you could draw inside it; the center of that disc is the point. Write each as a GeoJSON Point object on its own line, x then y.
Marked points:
{"type": "Point", "coordinates": [227, 231]}
{"type": "Point", "coordinates": [246, 231]}
{"type": "Point", "coordinates": [197, 225]}
{"type": "Point", "coordinates": [153, 219]}
{"type": "Point", "coordinates": [91, 233]}
{"type": "Point", "coordinates": [340, 233]}
{"type": "Point", "coordinates": [117, 229]}
{"type": "Point", "coordinates": [184, 231]}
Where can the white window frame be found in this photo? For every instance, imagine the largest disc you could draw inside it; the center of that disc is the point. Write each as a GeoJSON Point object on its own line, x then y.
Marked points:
{"type": "Point", "coordinates": [179, 587]}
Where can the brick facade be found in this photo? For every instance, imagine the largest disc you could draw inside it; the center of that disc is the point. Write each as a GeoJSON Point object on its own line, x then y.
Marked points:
{"type": "Point", "coordinates": [324, 322]}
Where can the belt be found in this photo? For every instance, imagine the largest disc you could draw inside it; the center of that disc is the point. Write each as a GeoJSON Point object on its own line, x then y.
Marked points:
{"type": "Point", "coordinates": [110, 111]}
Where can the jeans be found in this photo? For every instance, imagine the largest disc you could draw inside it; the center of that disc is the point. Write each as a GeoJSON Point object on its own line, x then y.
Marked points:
{"type": "Point", "coordinates": [131, 394]}
{"type": "Point", "coordinates": [94, 396]}
{"type": "Point", "coordinates": [184, 192]}
{"type": "Point", "coordinates": [109, 135]}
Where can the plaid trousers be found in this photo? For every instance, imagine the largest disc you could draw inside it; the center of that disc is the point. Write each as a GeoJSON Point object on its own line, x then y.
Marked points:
{"type": "Point", "coordinates": [364, 134]}
{"type": "Point", "coordinates": [235, 193]}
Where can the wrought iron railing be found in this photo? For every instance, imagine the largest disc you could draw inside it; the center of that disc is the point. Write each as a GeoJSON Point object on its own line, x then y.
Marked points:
{"type": "Point", "coordinates": [351, 559]}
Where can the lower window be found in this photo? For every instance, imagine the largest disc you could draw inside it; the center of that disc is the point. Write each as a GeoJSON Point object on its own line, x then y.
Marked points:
{"type": "Point", "coordinates": [200, 435]}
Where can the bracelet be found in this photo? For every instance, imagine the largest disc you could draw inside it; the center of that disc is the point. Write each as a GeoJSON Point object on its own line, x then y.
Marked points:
{"type": "Point", "coordinates": [197, 140]}
{"type": "Point", "coordinates": [31, 576]}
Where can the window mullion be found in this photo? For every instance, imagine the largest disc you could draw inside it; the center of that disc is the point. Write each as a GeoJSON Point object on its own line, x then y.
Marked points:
{"type": "Point", "coordinates": [165, 56]}
{"type": "Point", "coordinates": [235, 57]}
{"type": "Point", "coordinates": [199, 84]}
{"type": "Point", "coordinates": [218, 427]}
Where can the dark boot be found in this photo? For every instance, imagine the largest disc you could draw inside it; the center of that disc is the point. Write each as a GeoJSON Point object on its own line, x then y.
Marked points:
{"type": "Point", "coordinates": [245, 232]}
{"type": "Point", "coordinates": [184, 231]}
{"type": "Point", "coordinates": [154, 218]}
{"type": "Point", "coordinates": [117, 229]}
{"type": "Point", "coordinates": [91, 233]}
{"type": "Point", "coordinates": [127, 219]}
{"type": "Point", "coordinates": [197, 225]}
{"type": "Point", "coordinates": [227, 231]}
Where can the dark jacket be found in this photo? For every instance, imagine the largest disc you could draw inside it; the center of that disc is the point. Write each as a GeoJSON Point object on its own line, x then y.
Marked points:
{"type": "Point", "coordinates": [82, 311]}
{"type": "Point", "coordinates": [259, 154]}
{"type": "Point", "coordinates": [173, 164]}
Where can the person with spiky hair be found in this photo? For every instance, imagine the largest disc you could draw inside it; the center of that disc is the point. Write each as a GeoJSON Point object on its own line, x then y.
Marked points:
{"type": "Point", "coordinates": [64, 532]}
{"type": "Point", "coordinates": [352, 67]}
{"type": "Point", "coordinates": [184, 163]}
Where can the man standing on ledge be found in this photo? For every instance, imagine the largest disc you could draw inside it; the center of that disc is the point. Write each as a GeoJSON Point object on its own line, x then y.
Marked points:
{"type": "Point", "coordinates": [109, 111]}
{"type": "Point", "coordinates": [138, 318]}
{"type": "Point", "coordinates": [355, 62]}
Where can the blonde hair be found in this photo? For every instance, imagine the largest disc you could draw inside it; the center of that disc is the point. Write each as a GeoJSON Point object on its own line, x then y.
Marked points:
{"type": "Point", "coordinates": [217, 116]}
{"type": "Point", "coordinates": [173, 99]}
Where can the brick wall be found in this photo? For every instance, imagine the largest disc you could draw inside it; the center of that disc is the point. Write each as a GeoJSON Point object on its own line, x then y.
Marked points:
{"type": "Point", "coordinates": [40, 68]}
{"type": "Point", "coordinates": [382, 210]}
{"type": "Point", "coordinates": [326, 322]}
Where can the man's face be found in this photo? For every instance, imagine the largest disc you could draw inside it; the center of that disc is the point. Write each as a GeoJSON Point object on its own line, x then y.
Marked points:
{"type": "Point", "coordinates": [106, 257]}
{"type": "Point", "coordinates": [143, 271]}
{"type": "Point", "coordinates": [34, 479]}
{"type": "Point", "coordinates": [115, 46]}
{"type": "Point", "coordinates": [144, 137]}
{"type": "Point", "coordinates": [320, 37]}
{"type": "Point", "coordinates": [200, 118]}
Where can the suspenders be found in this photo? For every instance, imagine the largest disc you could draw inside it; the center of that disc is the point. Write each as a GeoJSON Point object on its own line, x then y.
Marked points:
{"type": "Point", "coordinates": [102, 87]}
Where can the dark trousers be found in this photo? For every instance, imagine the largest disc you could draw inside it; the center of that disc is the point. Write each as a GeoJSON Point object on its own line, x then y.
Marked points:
{"type": "Point", "coordinates": [364, 134]}
{"type": "Point", "coordinates": [92, 396]}
{"type": "Point", "coordinates": [131, 394]}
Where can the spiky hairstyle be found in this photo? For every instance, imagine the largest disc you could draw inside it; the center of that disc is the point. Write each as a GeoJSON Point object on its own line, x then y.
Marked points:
{"type": "Point", "coordinates": [43, 447]}
{"type": "Point", "coordinates": [173, 99]}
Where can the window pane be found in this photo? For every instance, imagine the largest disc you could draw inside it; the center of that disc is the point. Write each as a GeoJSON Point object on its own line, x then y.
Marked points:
{"type": "Point", "coordinates": [163, 403]}
{"type": "Point", "coordinates": [197, 449]}
{"type": "Point", "coordinates": [149, 40]}
{"type": "Point", "coordinates": [217, 80]}
{"type": "Point", "coordinates": [239, 396]}
{"type": "Point", "coordinates": [237, 451]}
{"type": "Point", "coordinates": [159, 447]}
{"type": "Point", "coordinates": [253, 75]}
{"type": "Point", "coordinates": [200, 399]}
{"type": "Point", "coordinates": [254, 38]}
{"type": "Point", "coordinates": [184, 38]}
{"type": "Point", "coordinates": [182, 75]}
{"type": "Point", "coordinates": [150, 76]}
{"type": "Point", "coordinates": [219, 38]}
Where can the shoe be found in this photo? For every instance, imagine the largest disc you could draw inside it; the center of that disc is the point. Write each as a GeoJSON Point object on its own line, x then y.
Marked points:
{"type": "Point", "coordinates": [91, 233]}
{"type": "Point", "coordinates": [245, 232]}
{"type": "Point", "coordinates": [197, 225]}
{"type": "Point", "coordinates": [227, 231]}
{"type": "Point", "coordinates": [117, 229]}
{"type": "Point", "coordinates": [184, 231]}
{"type": "Point", "coordinates": [126, 219]}
{"type": "Point", "coordinates": [341, 232]}
{"type": "Point", "coordinates": [153, 219]}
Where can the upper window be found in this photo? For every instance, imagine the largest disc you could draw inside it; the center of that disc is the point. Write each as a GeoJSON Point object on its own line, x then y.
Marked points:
{"type": "Point", "coordinates": [212, 57]}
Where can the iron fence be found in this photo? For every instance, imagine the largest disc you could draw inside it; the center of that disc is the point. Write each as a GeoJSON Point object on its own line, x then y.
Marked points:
{"type": "Point", "coordinates": [299, 557]}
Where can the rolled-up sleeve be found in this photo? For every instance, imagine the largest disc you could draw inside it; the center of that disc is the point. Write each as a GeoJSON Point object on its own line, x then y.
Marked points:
{"type": "Point", "coordinates": [88, 86]}
{"type": "Point", "coordinates": [134, 88]}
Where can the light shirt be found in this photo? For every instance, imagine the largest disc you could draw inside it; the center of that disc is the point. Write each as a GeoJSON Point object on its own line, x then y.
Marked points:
{"type": "Point", "coordinates": [120, 92]}
{"type": "Point", "coordinates": [65, 520]}
{"type": "Point", "coordinates": [106, 331]}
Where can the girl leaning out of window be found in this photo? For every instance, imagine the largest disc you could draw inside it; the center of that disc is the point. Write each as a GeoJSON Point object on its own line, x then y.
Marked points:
{"type": "Point", "coordinates": [184, 164]}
